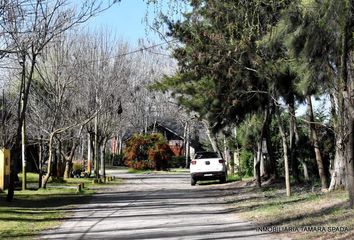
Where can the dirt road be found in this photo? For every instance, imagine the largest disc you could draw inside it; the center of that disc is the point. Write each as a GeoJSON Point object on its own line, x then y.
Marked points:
{"type": "Point", "coordinates": [156, 206]}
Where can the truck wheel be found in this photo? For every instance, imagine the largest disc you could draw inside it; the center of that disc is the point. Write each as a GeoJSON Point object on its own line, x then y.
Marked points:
{"type": "Point", "coordinates": [193, 181]}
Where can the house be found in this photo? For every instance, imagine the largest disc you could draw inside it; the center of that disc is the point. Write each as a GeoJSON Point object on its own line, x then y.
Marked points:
{"type": "Point", "coordinates": [173, 135]}
{"type": "Point", "coordinates": [175, 140]}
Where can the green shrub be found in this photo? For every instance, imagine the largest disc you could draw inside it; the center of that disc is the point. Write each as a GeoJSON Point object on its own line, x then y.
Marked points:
{"type": "Point", "coordinates": [234, 178]}
{"type": "Point", "coordinates": [246, 163]}
{"type": "Point", "coordinates": [177, 162]}
{"type": "Point", "coordinates": [77, 166]}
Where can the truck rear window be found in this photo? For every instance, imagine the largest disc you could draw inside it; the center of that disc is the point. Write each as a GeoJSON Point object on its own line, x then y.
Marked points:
{"type": "Point", "coordinates": [201, 155]}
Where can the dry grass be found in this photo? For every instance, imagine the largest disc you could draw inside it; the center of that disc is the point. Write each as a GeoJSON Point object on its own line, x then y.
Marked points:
{"type": "Point", "coordinates": [306, 214]}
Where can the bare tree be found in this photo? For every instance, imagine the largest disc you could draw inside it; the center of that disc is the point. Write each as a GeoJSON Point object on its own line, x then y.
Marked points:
{"type": "Point", "coordinates": [28, 27]}
{"type": "Point", "coordinates": [53, 109]}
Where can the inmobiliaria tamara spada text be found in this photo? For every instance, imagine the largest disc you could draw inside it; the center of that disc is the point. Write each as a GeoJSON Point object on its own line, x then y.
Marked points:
{"type": "Point", "coordinates": [302, 229]}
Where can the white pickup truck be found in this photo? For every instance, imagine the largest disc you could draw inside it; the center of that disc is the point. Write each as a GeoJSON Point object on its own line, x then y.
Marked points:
{"type": "Point", "coordinates": [207, 166]}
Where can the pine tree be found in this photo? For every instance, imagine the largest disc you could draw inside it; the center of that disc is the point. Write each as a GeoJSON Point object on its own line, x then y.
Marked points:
{"type": "Point", "coordinates": [318, 36]}
{"type": "Point", "coordinates": [220, 74]}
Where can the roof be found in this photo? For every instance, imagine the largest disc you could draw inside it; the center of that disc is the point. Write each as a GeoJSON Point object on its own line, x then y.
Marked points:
{"type": "Point", "coordinates": [172, 132]}
{"type": "Point", "coordinates": [166, 131]}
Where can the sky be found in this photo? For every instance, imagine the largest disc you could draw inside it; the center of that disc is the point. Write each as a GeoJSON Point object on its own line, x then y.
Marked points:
{"type": "Point", "coordinates": [126, 20]}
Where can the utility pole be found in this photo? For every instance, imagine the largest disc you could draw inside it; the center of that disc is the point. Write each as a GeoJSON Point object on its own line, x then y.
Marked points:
{"type": "Point", "coordinates": [187, 153]}
{"type": "Point", "coordinates": [97, 171]}
{"type": "Point", "coordinates": [120, 111]}
{"type": "Point", "coordinates": [23, 127]}
{"type": "Point", "coordinates": [96, 147]}
{"type": "Point", "coordinates": [23, 150]}
{"type": "Point", "coordinates": [120, 144]}
{"type": "Point", "coordinates": [236, 157]}
{"type": "Point", "coordinates": [89, 157]}
{"type": "Point", "coordinates": [40, 161]}
{"type": "Point", "coordinates": [103, 167]}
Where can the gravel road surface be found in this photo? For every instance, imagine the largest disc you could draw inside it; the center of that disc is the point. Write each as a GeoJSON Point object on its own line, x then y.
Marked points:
{"type": "Point", "coordinates": [156, 206]}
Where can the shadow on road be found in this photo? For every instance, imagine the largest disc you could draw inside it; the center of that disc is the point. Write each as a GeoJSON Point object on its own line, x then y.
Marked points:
{"type": "Point", "coordinates": [145, 207]}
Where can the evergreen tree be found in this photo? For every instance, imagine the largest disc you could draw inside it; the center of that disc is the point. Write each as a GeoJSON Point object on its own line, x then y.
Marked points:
{"type": "Point", "coordinates": [219, 58]}
{"type": "Point", "coordinates": [220, 74]}
{"type": "Point", "coordinates": [318, 36]}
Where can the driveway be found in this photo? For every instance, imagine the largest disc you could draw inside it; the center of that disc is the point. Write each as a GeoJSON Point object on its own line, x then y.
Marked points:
{"type": "Point", "coordinates": [156, 206]}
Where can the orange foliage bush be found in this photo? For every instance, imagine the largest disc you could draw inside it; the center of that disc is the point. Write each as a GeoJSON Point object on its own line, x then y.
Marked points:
{"type": "Point", "coordinates": [147, 152]}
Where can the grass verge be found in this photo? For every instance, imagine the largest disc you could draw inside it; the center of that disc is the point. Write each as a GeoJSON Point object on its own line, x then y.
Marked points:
{"type": "Point", "coordinates": [136, 171]}
{"type": "Point", "coordinates": [33, 211]}
{"type": "Point", "coordinates": [170, 171]}
{"type": "Point", "coordinates": [233, 178]}
{"type": "Point", "coordinates": [304, 215]}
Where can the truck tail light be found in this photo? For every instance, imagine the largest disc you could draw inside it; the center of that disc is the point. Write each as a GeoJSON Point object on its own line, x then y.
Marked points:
{"type": "Point", "coordinates": [194, 162]}
{"type": "Point", "coordinates": [221, 161]}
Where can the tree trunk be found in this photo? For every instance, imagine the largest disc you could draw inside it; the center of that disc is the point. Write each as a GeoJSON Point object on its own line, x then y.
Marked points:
{"type": "Point", "coordinates": [294, 140]}
{"type": "Point", "coordinates": [349, 104]}
{"type": "Point", "coordinates": [68, 169]}
{"type": "Point", "coordinates": [316, 145]}
{"type": "Point", "coordinates": [70, 157]}
{"type": "Point", "coordinates": [229, 160]}
{"type": "Point", "coordinates": [15, 151]}
{"type": "Point", "coordinates": [254, 164]}
{"type": "Point", "coordinates": [350, 162]}
{"type": "Point", "coordinates": [82, 149]}
{"type": "Point", "coordinates": [257, 164]}
{"type": "Point", "coordinates": [59, 172]}
{"type": "Point", "coordinates": [271, 160]}
{"type": "Point", "coordinates": [49, 166]}
{"type": "Point", "coordinates": [350, 146]}
{"type": "Point", "coordinates": [69, 160]}
{"type": "Point", "coordinates": [102, 153]}
{"type": "Point", "coordinates": [267, 158]}
{"type": "Point", "coordinates": [306, 172]}
{"type": "Point", "coordinates": [15, 155]}
{"type": "Point", "coordinates": [285, 154]}
{"type": "Point", "coordinates": [262, 161]}
{"type": "Point", "coordinates": [338, 179]}
{"type": "Point", "coordinates": [24, 93]}
{"type": "Point", "coordinates": [260, 165]}
{"type": "Point", "coordinates": [212, 139]}
{"type": "Point", "coordinates": [347, 91]}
